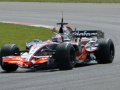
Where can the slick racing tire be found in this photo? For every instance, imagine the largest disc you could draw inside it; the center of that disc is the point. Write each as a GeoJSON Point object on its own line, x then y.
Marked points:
{"type": "Point", "coordinates": [106, 51]}
{"type": "Point", "coordinates": [65, 56]}
{"type": "Point", "coordinates": [0, 58]}
{"type": "Point", "coordinates": [9, 50]}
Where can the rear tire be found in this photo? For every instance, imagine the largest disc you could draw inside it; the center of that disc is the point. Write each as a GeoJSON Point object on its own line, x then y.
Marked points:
{"type": "Point", "coordinates": [9, 50]}
{"type": "Point", "coordinates": [106, 51]}
{"type": "Point", "coordinates": [65, 56]}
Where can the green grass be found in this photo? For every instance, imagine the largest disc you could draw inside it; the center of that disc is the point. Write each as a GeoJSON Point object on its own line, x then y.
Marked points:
{"type": "Point", "coordinates": [20, 34]}
{"type": "Point", "coordinates": [74, 1]}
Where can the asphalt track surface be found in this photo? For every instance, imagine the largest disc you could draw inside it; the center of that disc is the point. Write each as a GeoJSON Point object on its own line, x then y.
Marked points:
{"type": "Point", "coordinates": [105, 17]}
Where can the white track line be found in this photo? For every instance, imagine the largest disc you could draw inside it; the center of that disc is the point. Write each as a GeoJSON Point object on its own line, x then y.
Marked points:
{"type": "Point", "coordinates": [28, 24]}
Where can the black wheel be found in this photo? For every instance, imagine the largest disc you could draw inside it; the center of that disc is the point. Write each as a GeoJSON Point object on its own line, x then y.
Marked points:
{"type": "Point", "coordinates": [9, 50]}
{"type": "Point", "coordinates": [106, 51]}
{"type": "Point", "coordinates": [0, 58]}
{"type": "Point", "coordinates": [65, 56]}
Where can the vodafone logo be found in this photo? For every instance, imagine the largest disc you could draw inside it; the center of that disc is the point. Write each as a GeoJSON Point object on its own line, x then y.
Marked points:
{"type": "Point", "coordinates": [84, 33]}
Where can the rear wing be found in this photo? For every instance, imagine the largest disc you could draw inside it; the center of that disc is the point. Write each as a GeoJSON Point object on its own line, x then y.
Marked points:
{"type": "Point", "coordinates": [88, 33]}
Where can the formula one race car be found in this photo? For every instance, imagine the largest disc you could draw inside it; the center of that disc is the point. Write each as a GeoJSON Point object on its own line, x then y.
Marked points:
{"type": "Point", "coordinates": [66, 49]}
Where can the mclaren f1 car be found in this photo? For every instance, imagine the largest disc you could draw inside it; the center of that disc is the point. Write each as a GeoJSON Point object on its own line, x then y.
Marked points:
{"type": "Point", "coordinates": [65, 49]}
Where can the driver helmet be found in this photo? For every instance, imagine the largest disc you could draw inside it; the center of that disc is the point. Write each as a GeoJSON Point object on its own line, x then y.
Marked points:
{"type": "Point", "coordinates": [57, 38]}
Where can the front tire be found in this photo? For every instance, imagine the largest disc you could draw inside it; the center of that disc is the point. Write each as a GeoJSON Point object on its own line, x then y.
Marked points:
{"type": "Point", "coordinates": [65, 56]}
{"type": "Point", "coordinates": [9, 50]}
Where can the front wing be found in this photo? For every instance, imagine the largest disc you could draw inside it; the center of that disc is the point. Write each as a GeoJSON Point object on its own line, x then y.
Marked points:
{"type": "Point", "coordinates": [22, 62]}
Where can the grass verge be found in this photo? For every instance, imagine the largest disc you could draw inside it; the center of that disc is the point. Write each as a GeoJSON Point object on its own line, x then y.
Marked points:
{"type": "Point", "coordinates": [68, 1]}
{"type": "Point", "coordinates": [20, 34]}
